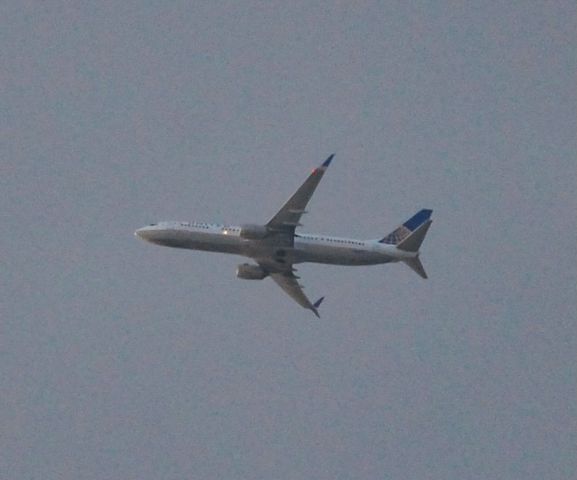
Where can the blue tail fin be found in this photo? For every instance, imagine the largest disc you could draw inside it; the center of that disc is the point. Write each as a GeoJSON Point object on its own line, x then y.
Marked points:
{"type": "Point", "coordinates": [407, 228]}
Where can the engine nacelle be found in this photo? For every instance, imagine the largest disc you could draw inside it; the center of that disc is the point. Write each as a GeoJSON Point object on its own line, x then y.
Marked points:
{"type": "Point", "coordinates": [253, 232]}
{"type": "Point", "coordinates": [247, 271]}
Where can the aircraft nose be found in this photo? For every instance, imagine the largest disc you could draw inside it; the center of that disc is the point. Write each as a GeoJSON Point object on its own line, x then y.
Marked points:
{"type": "Point", "coordinates": [143, 233]}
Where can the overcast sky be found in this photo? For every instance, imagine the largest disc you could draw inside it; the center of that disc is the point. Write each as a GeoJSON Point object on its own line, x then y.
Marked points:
{"type": "Point", "coordinates": [122, 360]}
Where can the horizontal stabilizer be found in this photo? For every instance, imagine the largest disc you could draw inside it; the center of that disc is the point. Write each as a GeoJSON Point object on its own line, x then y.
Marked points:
{"type": "Point", "coordinates": [416, 265]}
{"type": "Point", "coordinates": [413, 242]}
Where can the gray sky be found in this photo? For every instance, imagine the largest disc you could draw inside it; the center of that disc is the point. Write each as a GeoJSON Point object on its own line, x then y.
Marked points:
{"type": "Point", "coordinates": [120, 360]}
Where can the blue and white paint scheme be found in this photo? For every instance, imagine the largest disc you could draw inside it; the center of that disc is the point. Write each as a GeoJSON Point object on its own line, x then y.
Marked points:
{"type": "Point", "coordinates": [276, 247]}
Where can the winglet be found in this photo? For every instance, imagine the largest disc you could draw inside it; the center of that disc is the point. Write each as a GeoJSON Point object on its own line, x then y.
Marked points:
{"type": "Point", "coordinates": [316, 305]}
{"type": "Point", "coordinates": [327, 162]}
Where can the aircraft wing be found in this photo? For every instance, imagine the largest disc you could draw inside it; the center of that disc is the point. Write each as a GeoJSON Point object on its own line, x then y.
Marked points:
{"type": "Point", "coordinates": [289, 283]}
{"type": "Point", "coordinates": [283, 225]}
{"type": "Point", "coordinates": [288, 217]}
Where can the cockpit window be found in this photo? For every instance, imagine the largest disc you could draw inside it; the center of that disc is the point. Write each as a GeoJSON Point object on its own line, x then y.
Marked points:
{"type": "Point", "coordinates": [152, 225]}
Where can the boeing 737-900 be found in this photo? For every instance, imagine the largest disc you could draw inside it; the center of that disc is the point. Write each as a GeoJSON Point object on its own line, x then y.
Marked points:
{"type": "Point", "coordinates": [276, 247]}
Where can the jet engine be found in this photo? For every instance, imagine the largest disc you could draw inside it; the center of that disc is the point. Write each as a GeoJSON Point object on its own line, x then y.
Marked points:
{"type": "Point", "coordinates": [253, 232]}
{"type": "Point", "coordinates": [247, 271]}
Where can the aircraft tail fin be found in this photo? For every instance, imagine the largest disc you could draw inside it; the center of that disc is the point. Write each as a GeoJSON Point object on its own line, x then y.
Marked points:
{"type": "Point", "coordinates": [410, 234]}
{"type": "Point", "coordinates": [416, 265]}
{"type": "Point", "coordinates": [409, 237]}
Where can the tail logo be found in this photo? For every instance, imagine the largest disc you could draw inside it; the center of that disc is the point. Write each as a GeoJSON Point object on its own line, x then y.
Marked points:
{"type": "Point", "coordinates": [402, 232]}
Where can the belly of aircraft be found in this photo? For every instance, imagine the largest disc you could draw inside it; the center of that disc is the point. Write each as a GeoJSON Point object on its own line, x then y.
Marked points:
{"type": "Point", "coordinates": [337, 256]}
{"type": "Point", "coordinates": [197, 241]}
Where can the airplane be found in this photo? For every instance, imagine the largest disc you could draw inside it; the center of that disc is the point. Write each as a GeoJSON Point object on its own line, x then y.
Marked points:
{"type": "Point", "coordinates": [276, 247]}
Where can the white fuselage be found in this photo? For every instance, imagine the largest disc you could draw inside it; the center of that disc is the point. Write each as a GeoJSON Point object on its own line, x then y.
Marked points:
{"type": "Point", "coordinates": [307, 247]}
